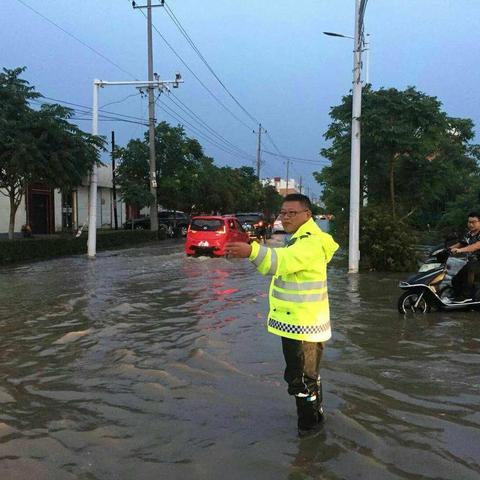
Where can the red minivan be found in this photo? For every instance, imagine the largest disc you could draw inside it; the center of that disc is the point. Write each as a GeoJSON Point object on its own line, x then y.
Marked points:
{"type": "Point", "coordinates": [207, 235]}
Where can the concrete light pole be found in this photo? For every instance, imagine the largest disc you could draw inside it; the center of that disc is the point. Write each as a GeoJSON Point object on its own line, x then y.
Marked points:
{"type": "Point", "coordinates": [354, 221]}
{"type": "Point", "coordinates": [92, 206]}
{"type": "Point", "coordinates": [365, 43]}
{"type": "Point", "coordinates": [354, 225]}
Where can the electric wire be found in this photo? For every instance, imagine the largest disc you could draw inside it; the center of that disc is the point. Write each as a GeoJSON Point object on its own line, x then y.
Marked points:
{"type": "Point", "coordinates": [195, 130]}
{"type": "Point", "coordinates": [196, 76]}
{"type": "Point", "coordinates": [77, 39]}
{"type": "Point", "coordinates": [91, 108]}
{"type": "Point", "coordinates": [106, 116]}
{"type": "Point", "coordinates": [202, 58]}
{"type": "Point", "coordinates": [174, 99]}
{"type": "Point", "coordinates": [296, 159]}
{"type": "Point", "coordinates": [188, 125]}
{"type": "Point", "coordinates": [121, 101]}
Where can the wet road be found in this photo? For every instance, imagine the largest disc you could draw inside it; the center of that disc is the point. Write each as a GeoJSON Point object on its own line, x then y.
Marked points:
{"type": "Point", "coordinates": [145, 364]}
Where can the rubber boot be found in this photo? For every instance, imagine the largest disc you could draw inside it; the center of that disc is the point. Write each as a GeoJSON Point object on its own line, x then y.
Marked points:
{"type": "Point", "coordinates": [310, 415]}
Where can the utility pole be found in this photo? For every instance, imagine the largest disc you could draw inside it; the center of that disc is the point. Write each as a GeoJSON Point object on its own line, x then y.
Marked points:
{"type": "Point", "coordinates": [288, 165]}
{"type": "Point", "coordinates": [151, 125]}
{"type": "Point", "coordinates": [354, 223]}
{"type": "Point", "coordinates": [151, 116]}
{"type": "Point", "coordinates": [114, 186]}
{"type": "Point", "coordinates": [259, 143]}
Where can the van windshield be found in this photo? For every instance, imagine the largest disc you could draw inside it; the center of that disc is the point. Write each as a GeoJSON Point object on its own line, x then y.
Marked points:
{"type": "Point", "coordinates": [206, 224]}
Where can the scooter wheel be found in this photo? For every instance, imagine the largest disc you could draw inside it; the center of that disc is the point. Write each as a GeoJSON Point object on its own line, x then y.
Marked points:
{"type": "Point", "coordinates": [407, 303]}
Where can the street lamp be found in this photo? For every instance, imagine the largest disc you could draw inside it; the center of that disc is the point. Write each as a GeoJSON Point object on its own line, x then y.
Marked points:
{"type": "Point", "coordinates": [92, 210]}
{"type": "Point", "coordinates": [365, 48]}
{"type": "Point", "coordinates": [354, 221]}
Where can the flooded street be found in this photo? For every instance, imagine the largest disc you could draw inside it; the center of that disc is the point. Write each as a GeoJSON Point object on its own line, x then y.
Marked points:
{"type": "Point", "coordinates": [145, 364]}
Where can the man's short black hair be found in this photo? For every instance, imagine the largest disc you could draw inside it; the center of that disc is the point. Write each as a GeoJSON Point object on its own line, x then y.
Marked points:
{"type": "Point", "coordinates": [474, 214]}
{"type": "Point", "coordinates": [298, 197]}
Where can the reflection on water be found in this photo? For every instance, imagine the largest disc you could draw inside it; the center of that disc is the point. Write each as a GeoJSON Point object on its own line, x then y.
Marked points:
{"type": "Point", "coordinates": [146, 364]}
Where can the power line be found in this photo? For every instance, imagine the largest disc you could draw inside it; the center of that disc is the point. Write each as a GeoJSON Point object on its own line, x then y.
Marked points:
{"type": "Point", "coordinates": [202, 58]}
{"type": "Point", "coordinates": [77, 39]}
{"type": "Point", "coordinates": [191, 127]}
{"type": "Point", "coordinates": [197, 78]}
{"type": "Point", "coordinates": [83, 110]}
{"type": "Point", "coordinates": [297, 159]}
{"type": "Point", "coordinates": [109, 119]}
{"type": "Point", "coordinates": [182, 120]}
{"type": "Point", "coordinates": [90, 109]}
{"type": "Point", "coordinates": [121, 101]}
{"type": "Point", "coordinates": [202, 122]}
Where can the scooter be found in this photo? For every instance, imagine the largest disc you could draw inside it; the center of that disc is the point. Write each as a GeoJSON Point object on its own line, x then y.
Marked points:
{"type": "Point", "coordinates": [431, 286]}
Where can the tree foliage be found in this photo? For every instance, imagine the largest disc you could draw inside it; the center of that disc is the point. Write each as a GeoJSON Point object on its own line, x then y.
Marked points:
{"type": "Point", "coordinates": [385, 243]}
{"type": "Point", "coordinates": [187, 179]}
{"type": "Point", "coordinates": [132, 174]}
{"type": "Point", "coordinates": [38, 145]}
{"type": "Point", "coordinates": [415, 161]}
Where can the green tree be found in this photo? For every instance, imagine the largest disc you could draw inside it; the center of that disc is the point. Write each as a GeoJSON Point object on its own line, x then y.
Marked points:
{"type": "Point", "coordinates": [415, 158]}
{"type": "Point", "coordinates": [186, 178]}
{"type": "Point", "coordinates": [177, 159]}
{"type": "Point", "coordinates": [410, 148]}
{"type": "Point", "coordinates": [38, 145]}
{"type": "Point", "coordinates": [271, 200]}
{"type": "Point", "coordinates": [132, 174]}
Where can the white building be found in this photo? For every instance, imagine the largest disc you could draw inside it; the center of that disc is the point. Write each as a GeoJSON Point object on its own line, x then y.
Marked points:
{"type": "Point", "coordinates": [47, 210]}
{"type": "Point", "coordinates": [283, 187]}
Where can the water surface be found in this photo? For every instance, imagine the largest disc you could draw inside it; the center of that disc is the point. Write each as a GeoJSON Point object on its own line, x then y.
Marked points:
{"type": "Point", "coordinates": [145, 364]}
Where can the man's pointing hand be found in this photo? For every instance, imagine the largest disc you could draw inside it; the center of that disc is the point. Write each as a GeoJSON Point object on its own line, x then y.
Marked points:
{"type": "Point", "coordinates": [238, 249]}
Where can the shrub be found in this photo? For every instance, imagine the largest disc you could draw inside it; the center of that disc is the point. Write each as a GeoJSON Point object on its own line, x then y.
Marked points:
{"type": "Point", "coordinates": [28, 249]}
{"type": "Point", "coordinates": [385, 243]}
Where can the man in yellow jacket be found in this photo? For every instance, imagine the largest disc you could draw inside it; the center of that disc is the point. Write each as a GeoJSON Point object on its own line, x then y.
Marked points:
{"type": "Point", "coordinates": [299, 311]}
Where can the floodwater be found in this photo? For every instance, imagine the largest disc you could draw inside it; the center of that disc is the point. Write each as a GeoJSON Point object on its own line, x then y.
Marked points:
{"type": "Point", "coordinates": [145, 364]}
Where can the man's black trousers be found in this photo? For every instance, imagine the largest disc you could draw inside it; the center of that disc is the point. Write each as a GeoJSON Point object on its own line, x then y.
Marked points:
{"type": "Point", "coordinates": [465, 282]}
{"type": "Point", "coordinates": [302, 372]}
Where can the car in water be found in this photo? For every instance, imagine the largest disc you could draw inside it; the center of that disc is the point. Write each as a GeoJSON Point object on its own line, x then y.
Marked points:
{"type": "Point", "coordinates": [208, 234]}
{"type": "Point", "coordinates": [278, 226]}
{"type": "Point", "coordinates": [255, 224]}
{"type": "Point", "coordinates": [171, 221]}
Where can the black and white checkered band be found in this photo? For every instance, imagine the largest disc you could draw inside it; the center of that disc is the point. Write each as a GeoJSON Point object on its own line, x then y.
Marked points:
{"type": "Point", "coordinates": [298, 329]}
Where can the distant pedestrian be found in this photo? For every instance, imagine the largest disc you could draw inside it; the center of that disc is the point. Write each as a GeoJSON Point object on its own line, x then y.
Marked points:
{"type": "Point", "coordinates": [299, 310]}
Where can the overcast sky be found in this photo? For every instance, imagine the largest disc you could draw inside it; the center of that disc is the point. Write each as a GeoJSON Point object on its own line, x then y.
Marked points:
{"type": "Point", "coordinates": [271, 55]}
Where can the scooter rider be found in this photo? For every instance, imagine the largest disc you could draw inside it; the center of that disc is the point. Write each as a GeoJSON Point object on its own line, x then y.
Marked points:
{"type": "Point", "coordinates": [299, 310]}
{"type": "Point", "coordinates": [464, 282]}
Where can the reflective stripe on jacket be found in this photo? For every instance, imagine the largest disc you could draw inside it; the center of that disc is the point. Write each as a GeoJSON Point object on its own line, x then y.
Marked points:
{"type": "Point", "coordinates": [298, 292]}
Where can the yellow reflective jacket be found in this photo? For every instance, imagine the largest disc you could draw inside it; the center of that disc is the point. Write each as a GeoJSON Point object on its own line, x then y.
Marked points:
{"type": "Point", "coordinates": [298, 291]}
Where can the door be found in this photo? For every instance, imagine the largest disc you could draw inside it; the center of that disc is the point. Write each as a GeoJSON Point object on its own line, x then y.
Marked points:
{"type": "Point", "coordinates": [242, 236]}
{"type": "Point", "coordinates": [40, 209]}
{"type": "Point", "coordinates": [40, 212]}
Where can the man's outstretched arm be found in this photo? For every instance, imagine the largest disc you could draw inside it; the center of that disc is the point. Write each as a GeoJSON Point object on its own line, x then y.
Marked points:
{"type": "Point", "coordinates": [238, 249]}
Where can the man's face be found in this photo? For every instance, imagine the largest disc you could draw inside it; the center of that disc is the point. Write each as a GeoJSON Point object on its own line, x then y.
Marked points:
{"type": "Point", "coordinates": [473, 224]}
{"type": "Point", "coordinates": [293, 215]}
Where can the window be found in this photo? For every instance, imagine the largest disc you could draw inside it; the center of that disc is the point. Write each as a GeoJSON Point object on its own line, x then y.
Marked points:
{"type": "Point", "coordinates": [207, 225]}
{"type": "Point", "coordinates": [238, 226]}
